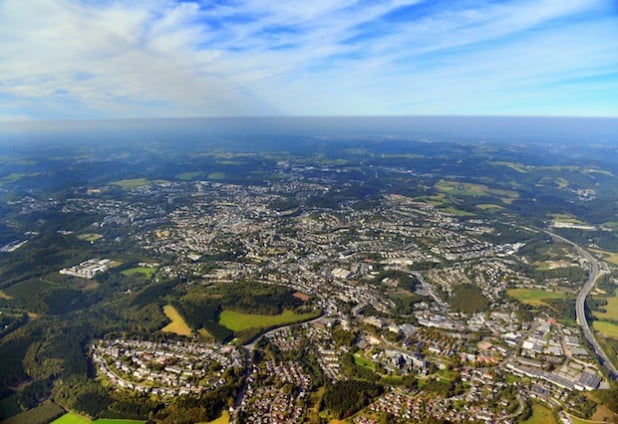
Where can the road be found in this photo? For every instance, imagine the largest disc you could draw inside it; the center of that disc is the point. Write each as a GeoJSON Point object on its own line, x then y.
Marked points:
{"type": "Point", "coordinates": [593, 275]}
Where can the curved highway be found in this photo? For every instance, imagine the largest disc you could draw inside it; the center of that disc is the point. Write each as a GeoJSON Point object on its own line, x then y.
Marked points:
{"type": "Point", "coordinates": [593, 274]}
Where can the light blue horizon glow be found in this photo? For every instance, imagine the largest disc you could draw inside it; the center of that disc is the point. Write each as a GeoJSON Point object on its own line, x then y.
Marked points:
{"type": "Point", "coordinates": [69, 59]}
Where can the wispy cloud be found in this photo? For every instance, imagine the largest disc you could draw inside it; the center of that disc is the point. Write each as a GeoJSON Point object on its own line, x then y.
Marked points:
{"type": "Point", "coordinates": [88, 59]}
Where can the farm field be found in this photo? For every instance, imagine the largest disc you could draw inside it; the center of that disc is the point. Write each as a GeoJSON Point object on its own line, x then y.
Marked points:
{"type": "Point", "coordinates": [178, 324]}
{"type": "Point", "coordinates": [238, 321]}
{"type": "Point", "coordinates": [535, 297]}
{"type": "Point", "coordinates": [540, 415]}
{"type": "Point", "coordinates": [216, 175]}
{"type": "Point", "coordinates": [145, 271]}
{"type": "Point", "coordinates": [607, 329]}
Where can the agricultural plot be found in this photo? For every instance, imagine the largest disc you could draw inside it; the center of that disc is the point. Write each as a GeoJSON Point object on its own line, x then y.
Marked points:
{"type": "Point", "coordinates": [178, 324]}
{"type": "Point", "coordinates": [90, 237]}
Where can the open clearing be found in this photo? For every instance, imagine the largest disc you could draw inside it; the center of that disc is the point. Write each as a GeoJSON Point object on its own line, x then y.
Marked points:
{"type": "Point", "coordinates": [145, 271]}
{"type": "Point", "coordinates": [131, 183]}
{"type": "Point", "coordinates": [540, 415]}
{"type": "Point", "coordinates": [611, 308]}
{"type": "Point", "coordinates": [5, 296]}
{"type": "Point", "coordinates": [535, 297]}
{"type": "Point", "coordinates": [178, 324]}
{"type": "Point", "coordinates": [607, 329]}
{"type": "Point", "coordinates": [238, 321]}
{"type": "Point", "coordinates": [456, 188]}
{"type": "Point", "coordinates": [364, 362]}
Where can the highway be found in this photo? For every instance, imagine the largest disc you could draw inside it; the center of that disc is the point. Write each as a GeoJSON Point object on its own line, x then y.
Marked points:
{"type": "Point", "coordinates": [593, 274]}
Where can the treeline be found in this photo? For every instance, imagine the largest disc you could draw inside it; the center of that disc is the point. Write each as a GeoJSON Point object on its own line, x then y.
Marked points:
{"type": "Point", "coordinates": [256, 298]}
{"type": "Point", "coordinates": [345, 398]}
{"type": "Point", "coordinates": [404, 280]}
{"type": "Point", "coordinates": [204, 313]}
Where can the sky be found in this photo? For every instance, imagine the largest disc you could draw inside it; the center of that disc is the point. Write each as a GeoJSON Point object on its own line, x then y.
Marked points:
{"type": "Point", "coordinates": [104, 59]}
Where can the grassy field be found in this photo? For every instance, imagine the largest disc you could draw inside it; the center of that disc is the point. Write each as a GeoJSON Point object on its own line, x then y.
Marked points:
{"type": "Point", "coordinates": [5, 296]}
{"type": "Point", "coordinates": [71, 418]}
{"type": "Point", "coordinates": [108, 421]}
{"type": "Point", "coordinates": [364, 362]}
{"type": "Point", "coordinates": [178, 324]}
{"type": "Point", "coordinates": [611, 308]}
{"type": "Point", "coordinates": [535, 297]}
{"type": "Point", "coordinates": [238, 321]}
{"type": "Point", "coordinates": [540, 415]}
{"type": "Point", "coordinates": [607, 329]}
{"type": "Point", "coordinates": [131, 183]}
{"type": "Point", "coordinates": [145, 271]}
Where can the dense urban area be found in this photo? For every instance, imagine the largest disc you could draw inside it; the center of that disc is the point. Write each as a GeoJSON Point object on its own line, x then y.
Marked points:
{"type": "Point", "coordinates": [352, 286]}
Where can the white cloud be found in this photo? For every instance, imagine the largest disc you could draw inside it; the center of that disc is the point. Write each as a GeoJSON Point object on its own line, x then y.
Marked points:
{"type": "Point", "coordinates": [62, 58]}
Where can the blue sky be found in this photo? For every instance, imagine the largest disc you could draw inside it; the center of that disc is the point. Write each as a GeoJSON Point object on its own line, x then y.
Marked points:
{"type": "Point", "coordinates": [89, 59]}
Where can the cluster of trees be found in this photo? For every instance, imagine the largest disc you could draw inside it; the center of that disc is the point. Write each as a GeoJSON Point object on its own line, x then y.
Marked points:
{"type": "Point", "coordinates": [468, 299]}
{"type": "Point", "coordinates": [345, 398]}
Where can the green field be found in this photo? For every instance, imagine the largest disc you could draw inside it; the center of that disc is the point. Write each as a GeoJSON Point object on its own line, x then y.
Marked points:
{"type": "Point", "coordinates": [71, 418]}
{"type": "Point", "coordinates": [541, 415]}
{"type": "Point", "coordinates": [178, 324]}
{"type": "Point", "coordinates": [611, 308]}
{"type": "Point", "coordinates": [607, 329]}
{"type": "Point", "coordinates": [238, 321]}
{"type": "Point", "coordinates": [364, 362]}
{"type": "Point", "coordinates": [131, 183]}
{"type": "Point", "coordinates": [145, 271]}
{"type": "Point", "coordinates": [535, 297]}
